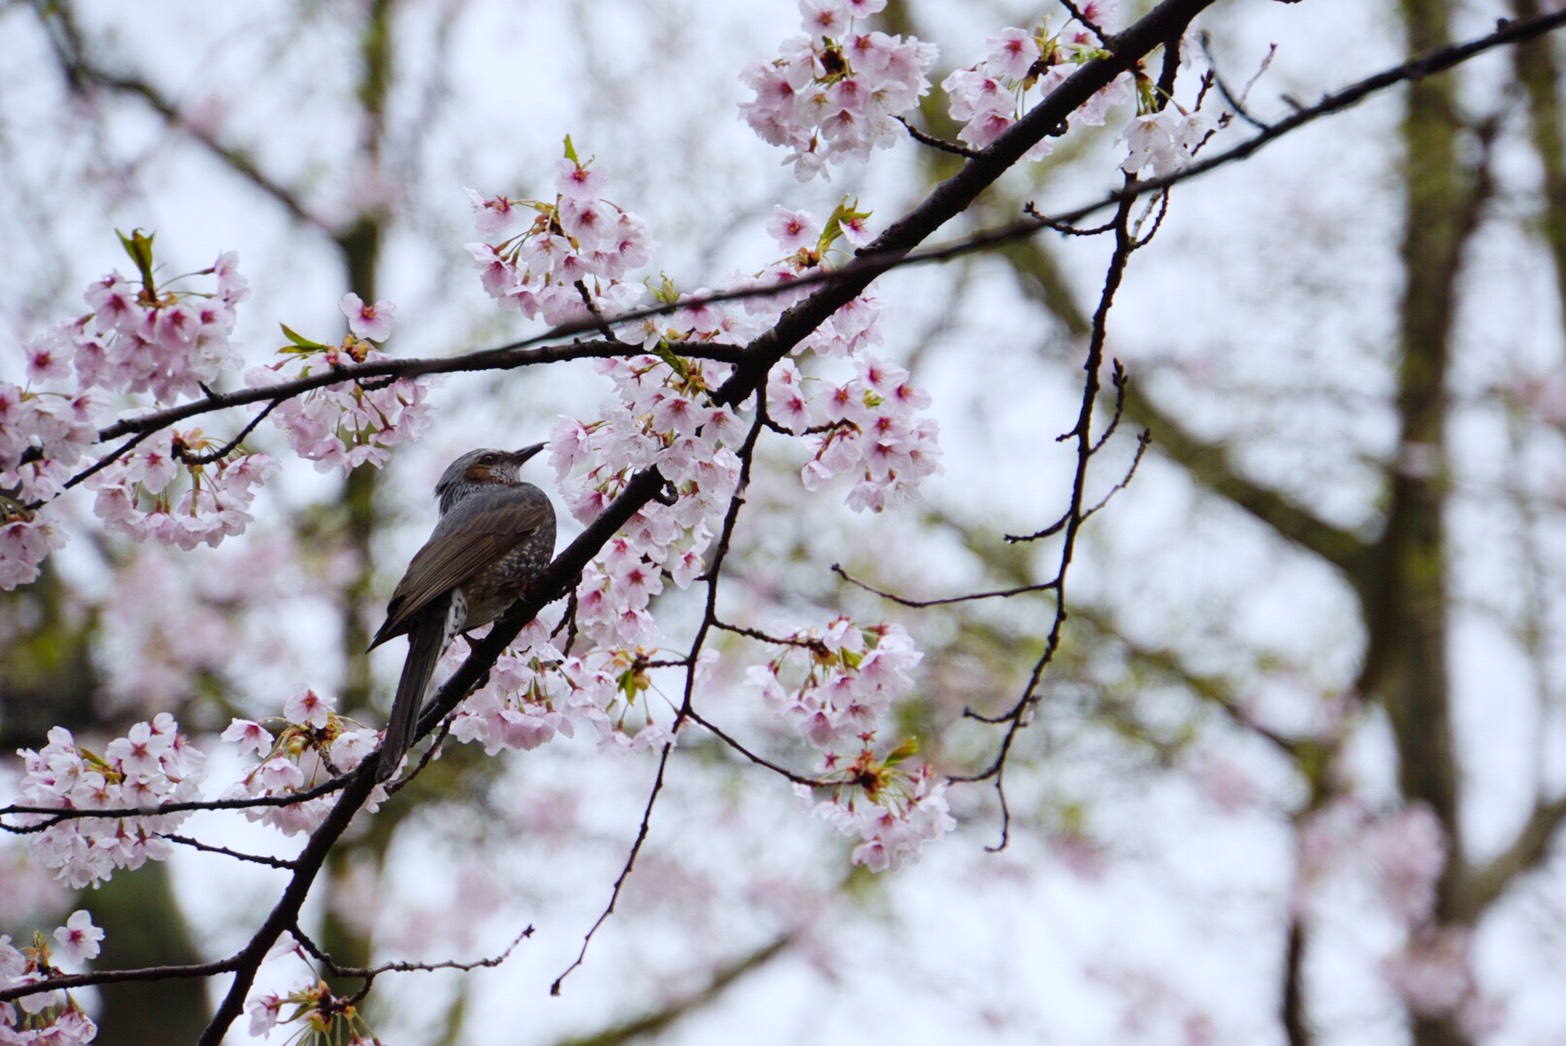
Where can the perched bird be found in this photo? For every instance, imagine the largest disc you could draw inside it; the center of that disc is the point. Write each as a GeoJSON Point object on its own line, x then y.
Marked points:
{"type": "Point", "coordinates": [495, 535]}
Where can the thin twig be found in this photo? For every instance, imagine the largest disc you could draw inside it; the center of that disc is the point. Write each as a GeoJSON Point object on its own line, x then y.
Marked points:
{"type": "Point", "coordinates": [625, 873]}
{"type": "Point", "coordinates": [1004, 593]}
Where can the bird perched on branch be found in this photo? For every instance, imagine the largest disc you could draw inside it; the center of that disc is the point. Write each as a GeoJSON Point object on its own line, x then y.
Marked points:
{"type": "Point", "coordinates": [496, 534]}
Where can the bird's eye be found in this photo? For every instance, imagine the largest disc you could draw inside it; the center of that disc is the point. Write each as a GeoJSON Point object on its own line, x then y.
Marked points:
{"type": "Point", "coordinates": [489, 459]}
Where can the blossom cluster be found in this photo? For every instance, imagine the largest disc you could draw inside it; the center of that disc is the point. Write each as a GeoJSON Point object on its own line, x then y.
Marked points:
{"type": "Point", "coordinates": [46, 1018]}
{"type": "Point", "coordinates": [1402, 854]}
{"type": "Point", "coordinates": [1165, 140]}
{"type": "Point", "coordinates": [312, 739]}
{"type": "Point", "coordinates": [25, 542]}
{"type": "Point", "coordinates": [43, 433]}
{"type": "Point", "coordinates": [136, 495]}
{"type": "Point", "coordinates": [151, 766]}
{"type": "Point", "coordinates": [1408, 851]}
{"type": "Point", "coordinates": [530, 699]}
{"type": "Point", "coordinates": [842, 693]}
{"type": "Point", "coordinates": [892, 813]}
{"type": "Point", "coordinates": [834, 92]}
{"type": "Point", "coordinates": [352, 423]}
{"type": "Point", "coordinates": [139, 336]}
{"type": "Point", "coordinates": [867, 425]}
{"type": "Point", "coordinates": [1023, 66]}
{"type": "Point", "coordinates": [837, 701]}
{"type": "Point", "coordinates": [659, 417]}
{"type": "Point", "coordinates": [319, 1016]}
{"type": "Point", "coordinates": [573, 253]}
{"type": "Point", "coordinates": [181, 488]}
{"type": "Point", "coordinates": [862, 426]}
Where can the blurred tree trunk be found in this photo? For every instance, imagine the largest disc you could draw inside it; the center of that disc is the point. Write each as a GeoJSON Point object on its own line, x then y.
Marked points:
{"type": "Point", "coordinates": [1406, 613]}
{"type": "Point", "coordinates": [143, 926]}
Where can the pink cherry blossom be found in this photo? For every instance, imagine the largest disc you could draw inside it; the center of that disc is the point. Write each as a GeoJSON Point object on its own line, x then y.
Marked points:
{"type": "Point", "coordinates": [24, 544]}
{"type": "Point", "coordinates": [580, 243]}
{"type": "Point", "coordinates": [1409, 851]}
{"type": "Point", "coordinates": [308, 708]}
{"type": "Point", "coordinates": [579, 182]}
{"type": "Point", "coordinates": [793, 229]}
{"type": "Point", "coordinates": [78, 938]}
{"type": "Point", "coordinates": [151, 766]}
{"type": "Point", "coordinates": [1433, 974]}
{"type": "Point", "coordinates": [1012, 53]}
{"type": "Point", "coordinates": [372, 322]}
{"type": "Point", "coordinates": [493, 216]}
{"type": "Point", "coordinates": [264, 1012]}
{"type": "Point", "coordinates": [831, 95]}
{"type": "Point", "coordinates": [1164, 141]}
{"type": "Point", "coordinates": [344, 426]}
{"type": "Point", "coordinates": [1020, 68]}
{"type": "Point", "coordinates": [249, 735]}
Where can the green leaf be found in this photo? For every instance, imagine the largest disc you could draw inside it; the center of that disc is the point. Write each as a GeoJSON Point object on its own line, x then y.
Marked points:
{"type": "Point", "coordinates": [139, 246]}
{"type": "Point", "coordinates": [665, 292]}
{"type": "Point", "coordinates": [909, 747]}
{"type": "Point", "coordinates": [570, 151]}
{"type": "Point", "coordinates": [300, 340]}
{"type": "Point", "coordinates": [675, 362]}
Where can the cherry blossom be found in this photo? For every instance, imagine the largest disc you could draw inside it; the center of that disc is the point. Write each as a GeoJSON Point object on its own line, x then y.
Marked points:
{"type": "Point", "coordinates": [264, 1012]}
{"type": "Point", "coordinates": [1164, 140]}
{"type": "Point", "coordinates": [319, 1015]}
{"type": "Point", "coordinates": [179, 488]}
{"type": "Point", "coordinates": [24, 544]}
{"type": "Point", "coordinates": [843, 689]}
{"type": "Point", "coordinates": [893, 817]}
{"type": "Point", "coordinates": [835, 94]}
{"type": "Point", "coordinates": [153, 765]}
{"type": "Point", "coordinates": [349, 424]}
{"type": "Point", "coordinates": [308, 708]}
{"type": "Point", "coordinates": [78, 938]}
{"type": "Point", "coordinates": [577, 250]}
{"type": "Point", "coordinates": [370, 322]}
{"type": "Point", "coordinates": [1020, 68]}
{"type": "Point", "coordinates": [44, 434]}
{"type": "Point", "coordinates": [1408, 851]}
{"type": "Point", "coordinates": [166, 338]}
{"type": "Point", "coordinates": [249, 735]}
{"type": "Point", "coordinates": [312, 742]}
{"type": "Point", "coordinates": [1432, 973]}
{"type": "Point", "coordinates": [135, 495]}
{"type": "Point", "coordinates": [48, 1017]}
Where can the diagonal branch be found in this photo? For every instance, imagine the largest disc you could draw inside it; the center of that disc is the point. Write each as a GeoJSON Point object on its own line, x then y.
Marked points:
{"type": "Point", "coordinates": [1528, 848]}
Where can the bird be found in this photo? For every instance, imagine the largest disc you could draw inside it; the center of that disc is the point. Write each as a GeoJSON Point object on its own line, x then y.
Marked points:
{"type": "Point", "coordinates": [494, 537]}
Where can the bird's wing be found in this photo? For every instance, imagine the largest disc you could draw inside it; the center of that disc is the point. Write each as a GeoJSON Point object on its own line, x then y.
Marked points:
{"type": "Point", "coordinates": [477, 530]}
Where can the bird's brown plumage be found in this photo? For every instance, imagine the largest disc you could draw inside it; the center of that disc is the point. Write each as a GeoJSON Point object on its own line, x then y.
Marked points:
{"type": "Point", "coordinates": [494, 537]}
{"type": "Point", "coordinates": [479, 530]}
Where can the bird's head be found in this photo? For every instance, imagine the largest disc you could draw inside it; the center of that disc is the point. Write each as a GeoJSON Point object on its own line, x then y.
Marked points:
{"type": "Point", "coordinates": [485, 466]}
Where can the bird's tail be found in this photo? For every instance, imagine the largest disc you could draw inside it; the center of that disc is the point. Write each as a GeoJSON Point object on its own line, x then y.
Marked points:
{"type": "Point", "coordinates": [425, 640]}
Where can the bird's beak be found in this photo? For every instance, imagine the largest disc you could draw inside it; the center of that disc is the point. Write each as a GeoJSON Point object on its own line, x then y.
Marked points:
{"type": "Point", "coordinates": [527, 452]}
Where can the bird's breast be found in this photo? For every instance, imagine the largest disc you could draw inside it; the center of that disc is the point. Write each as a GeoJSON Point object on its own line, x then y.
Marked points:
{"type": "Point", "coordinates": [490, 591]}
